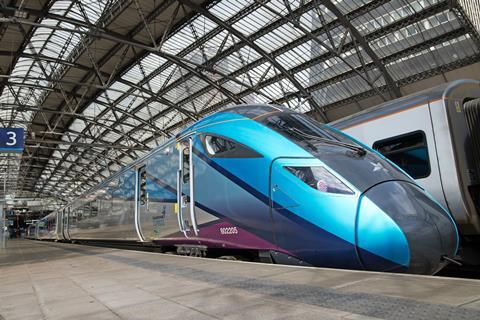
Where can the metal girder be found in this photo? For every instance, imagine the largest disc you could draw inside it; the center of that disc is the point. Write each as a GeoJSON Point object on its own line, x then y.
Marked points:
{"type": "Point", "coordinates": [459, 11]}
{"type": "Point", "coordinates": [63, 93]}
{"type": "Point", "coordinates": [192, 47]}
{"type": "Point", "coordinates": [394, 57]}
{"type": "Point", "coordinates": [386, 60]}
{"type": "Point", "coordinates": [188, 65]}
{"type": "Point", "coordinates": [199, 66]}
{"type": "Point", "coordinates": [90, 120]}
{"type": "Point", "coordinates": [98, 156]}
{"type": "Point", "coordinates": [80, 175]}
{"type": "Point", "coordinates": [351, 15]}
{"type": "Point", "coordinates": [86, 92]}
{"type": "Point", "coordinates": [225, 53]}
{"type": "Point", "coordinates": [153, 97]}
{"type": "Point", "coordinates": [26, 40]}
{"type": "Point", "coordinates": [97, 32]}
{"type": "Point", "coordinates": [391, 85]}
{"type": "Point", "coordinates": [276, 53]}
{"type": "Point", "coordinates": [118, 6]}
{"type": "Point", "coordinates": [409, 80]}
{"type": "Point", "coordinates": [430, 11]}
{"type": "Point", "coordinates": [118, 46]}
{"type": "Point", "coordinates": [223, 75]}
{"type": "Point", "coordinates": [135, 30]}
{"type": "Point", "coordinates": [50, 167]}
{"type": "Point", "coordinates": [80, 156]}
{"type": "Point", "coordinates": [83, 145]}
{"type": "Point", "coordinates": [98, 118]}
{"type": "Point", "coordinates": [164, 101]}
{"type": "Point", "coordinates": [16, 55]}
{"type": "Point", "coordinates": [37, 61]}
{"type": "Point", "coordinates": [253, 45]}
{"type": "Point", "coordinates": [320, 43]}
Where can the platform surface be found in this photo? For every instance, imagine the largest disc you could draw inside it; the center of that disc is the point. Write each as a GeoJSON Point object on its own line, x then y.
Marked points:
{"type": "Point", "coordinates": [46, 280]}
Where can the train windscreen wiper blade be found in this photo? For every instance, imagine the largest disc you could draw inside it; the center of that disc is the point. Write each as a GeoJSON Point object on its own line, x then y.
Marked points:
{"type": "Point", "coordinates": [359, 150]}
{"type": "Point", "coordinates": [300, 136]}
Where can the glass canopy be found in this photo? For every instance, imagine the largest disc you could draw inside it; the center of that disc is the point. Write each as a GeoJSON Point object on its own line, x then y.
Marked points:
{"type": "Point", "coordinates": [96, 84]}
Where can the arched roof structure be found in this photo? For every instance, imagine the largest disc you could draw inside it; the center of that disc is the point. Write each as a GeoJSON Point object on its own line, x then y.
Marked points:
{"type": "Point", "coordinates": [97, 83]}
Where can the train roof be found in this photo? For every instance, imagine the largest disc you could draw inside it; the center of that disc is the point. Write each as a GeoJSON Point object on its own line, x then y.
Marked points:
{"type": "Point", "coordinates": [247, 110]}
{"type": "Point", "coordinates": [254, 110]}
{"type": "Point", "coordinates": [442, 91]}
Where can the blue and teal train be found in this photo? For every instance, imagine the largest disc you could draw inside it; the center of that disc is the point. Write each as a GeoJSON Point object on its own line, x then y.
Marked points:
{"type": "Point", "coordinates": [265, 179]}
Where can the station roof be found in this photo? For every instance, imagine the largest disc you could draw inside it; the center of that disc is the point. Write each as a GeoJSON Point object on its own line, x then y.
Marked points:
{"type": "Point", "coordinates": [98, 83]}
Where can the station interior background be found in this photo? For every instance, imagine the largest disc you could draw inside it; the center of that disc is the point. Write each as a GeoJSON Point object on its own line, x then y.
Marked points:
{"type": "Point", "coordinates": [97, 84]}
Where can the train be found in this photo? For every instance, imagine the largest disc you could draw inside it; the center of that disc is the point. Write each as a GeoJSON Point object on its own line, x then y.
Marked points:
{"type": "Point", "coordinates": [264, 181]}
{"type": "Point", "coordinates": [434, 136]}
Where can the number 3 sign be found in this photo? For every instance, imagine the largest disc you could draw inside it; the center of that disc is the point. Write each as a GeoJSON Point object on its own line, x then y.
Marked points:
{"type": "Point", "coordinates": [11, 140]}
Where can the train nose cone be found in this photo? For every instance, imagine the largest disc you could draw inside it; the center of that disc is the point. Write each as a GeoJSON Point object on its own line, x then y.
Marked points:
{"type": "Point", "coordinates": [424, 230]}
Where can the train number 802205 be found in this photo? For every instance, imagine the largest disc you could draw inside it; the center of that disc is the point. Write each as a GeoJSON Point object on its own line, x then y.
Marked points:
{"type": "Point", "coordinates": [229, 230]}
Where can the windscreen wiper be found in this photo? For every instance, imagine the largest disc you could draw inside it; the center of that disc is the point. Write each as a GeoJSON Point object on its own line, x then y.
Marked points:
{"type": "Point", "coordinates": [299, 135]}
{"type": "Point", "coordinates": [359, 150]}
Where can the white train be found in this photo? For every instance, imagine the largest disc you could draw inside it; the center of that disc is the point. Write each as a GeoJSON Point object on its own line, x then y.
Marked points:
{"type": "Point", "coordinates": [434, 136]}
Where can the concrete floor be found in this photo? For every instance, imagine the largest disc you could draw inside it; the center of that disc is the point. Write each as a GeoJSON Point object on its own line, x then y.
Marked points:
{"type": "Point", "coordinates": [45, 280]}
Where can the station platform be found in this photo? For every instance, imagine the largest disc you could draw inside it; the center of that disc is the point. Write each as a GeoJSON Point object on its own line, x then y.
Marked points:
{"type": "Point", "coordinates": [47, 280]}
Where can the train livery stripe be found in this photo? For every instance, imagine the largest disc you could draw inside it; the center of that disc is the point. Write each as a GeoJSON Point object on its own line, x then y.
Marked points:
{"type": "Point", "coordinates": [289, 215]}
{"type": "Point", "coordinates": [260, 196]}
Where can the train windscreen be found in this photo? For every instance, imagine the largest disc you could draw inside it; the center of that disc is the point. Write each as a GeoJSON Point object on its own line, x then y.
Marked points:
{"type": "Point", "coordinates": [350, 159]}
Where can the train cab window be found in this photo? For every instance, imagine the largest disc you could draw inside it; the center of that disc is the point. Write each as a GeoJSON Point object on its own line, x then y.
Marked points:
{"type": "Point", "coordinates": [219, 147]}
{"type": "Point", "coordinates": [319, 178]}
{"type": "Point", "coordinates": [408, 151]}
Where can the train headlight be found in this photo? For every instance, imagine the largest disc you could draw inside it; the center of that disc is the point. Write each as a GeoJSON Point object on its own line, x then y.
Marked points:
{"type": "Point", "coordinates": [321, 179]}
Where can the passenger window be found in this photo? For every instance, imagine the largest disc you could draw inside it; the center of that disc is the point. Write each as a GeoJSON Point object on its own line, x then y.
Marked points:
{"type": "Point", "coordinates": [408, 151]}
{"type": "Point", "coordinates": [219, 147]}
{"type": "Point", "coordinates": [186, 164]}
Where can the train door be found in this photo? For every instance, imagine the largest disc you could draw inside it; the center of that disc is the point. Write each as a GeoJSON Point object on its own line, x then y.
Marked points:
{"type": "Point", "coordinates": [157, 194]}
{"type": "Point", "coordinates": [185, 207]}
{"type": "Point", "coordinates": [300, 202]}
{"type": "Point", "coordinates": [141, 199]}
{"type": "Point", "coordinates": [65, 217]}
{"type": "Point", "coordinates": [282, 202]}
{"type": "Point", "coordinates": [59, 225]}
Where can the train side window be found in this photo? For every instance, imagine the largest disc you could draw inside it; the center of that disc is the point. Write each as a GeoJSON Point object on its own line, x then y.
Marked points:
{"type": "Point", "coordinates": [186, 164]}
{"type": "Point", "coordinates": [220, 147]}
{"type": "Point", "coordinates": [408, 151]}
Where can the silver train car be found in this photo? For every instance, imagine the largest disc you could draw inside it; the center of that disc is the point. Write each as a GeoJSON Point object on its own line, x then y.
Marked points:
{"type": "Point", "coordinates": [434, 136]}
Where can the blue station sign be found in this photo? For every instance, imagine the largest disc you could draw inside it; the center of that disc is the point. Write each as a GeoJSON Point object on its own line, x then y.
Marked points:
{"type": "Point", "coordinates": [11, 140]}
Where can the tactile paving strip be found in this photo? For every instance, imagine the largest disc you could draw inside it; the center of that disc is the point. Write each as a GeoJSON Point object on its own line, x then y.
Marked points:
{"type": "Point", "coordinates": [370, 305]}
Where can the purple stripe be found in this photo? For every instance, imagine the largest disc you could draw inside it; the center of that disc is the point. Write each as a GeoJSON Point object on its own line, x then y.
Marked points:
{"type": "Point", "coordinates": [223, 234]}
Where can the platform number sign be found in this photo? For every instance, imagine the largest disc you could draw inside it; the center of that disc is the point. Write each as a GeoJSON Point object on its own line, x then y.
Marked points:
{"type": "Point", "coordinates": [11, 140]}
